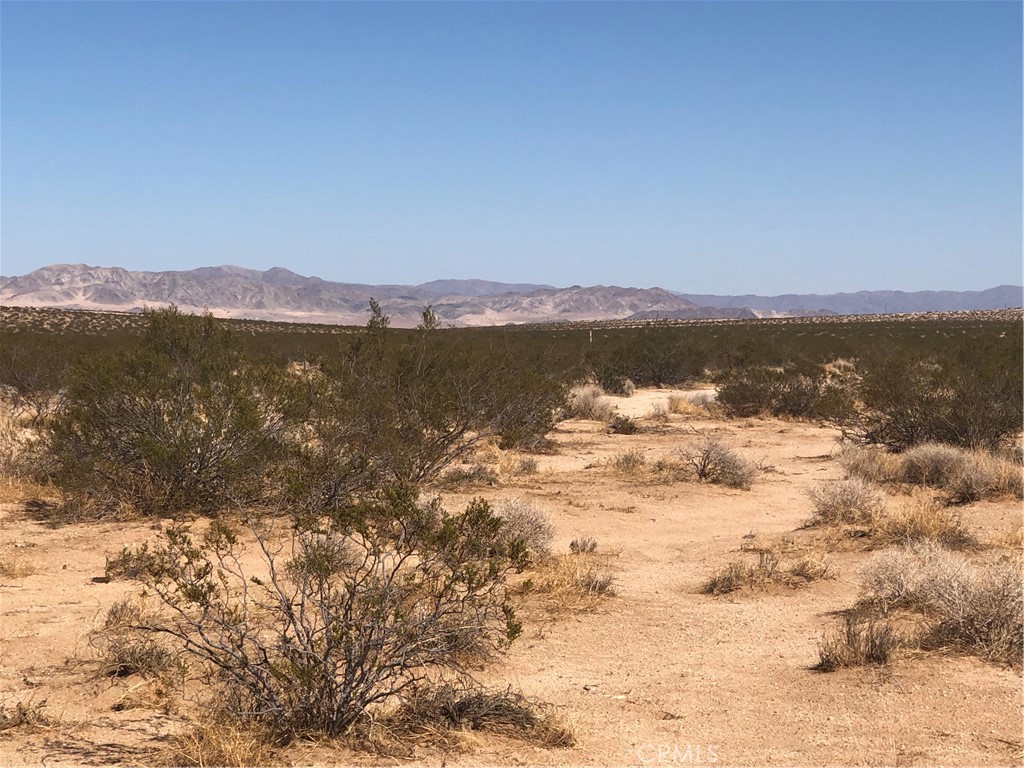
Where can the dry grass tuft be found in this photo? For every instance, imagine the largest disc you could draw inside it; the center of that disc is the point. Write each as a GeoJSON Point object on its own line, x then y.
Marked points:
{"type": "Point", "coordinates": [659, 413]}
{"type": "Point", "coordinates": [14, 566]}
{"type": "Point", "coordinates": [630, 462]}
{"type": "Point", "coordinates": [440, 716]}
{"type": "Point", "coordinates": [701, 405]}
{"type": "Point", "coordinates": [124, 648]}
{"type": "Point", "coordinates": [858, 643]}
{"type": "Point", "coordinates": [964, 475]}
{"type": "Point", "coordinates": [572, 583]}
{"type": "Point", "coordinates": [923, 520]}
{"type": "Point", "coordinates": [474, 475]}
{"type": "Point", "coordinates": [771, 569]}
{"type": "Point", "coordinates": [214, 740]}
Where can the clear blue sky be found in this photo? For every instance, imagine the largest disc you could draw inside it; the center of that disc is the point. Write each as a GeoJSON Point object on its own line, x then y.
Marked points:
{"type": "Point", "coordinates": [704, 147]}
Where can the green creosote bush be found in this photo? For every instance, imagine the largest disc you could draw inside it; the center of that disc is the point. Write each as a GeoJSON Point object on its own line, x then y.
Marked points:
{"type": "Point", "coordinates": [970, 397]}
{"type": "Point", "coordinates": [183, 423]}
{"type": "Point", "coordinates": [353, 609]}
{"type": "Point", "coordinates": [807, 393]}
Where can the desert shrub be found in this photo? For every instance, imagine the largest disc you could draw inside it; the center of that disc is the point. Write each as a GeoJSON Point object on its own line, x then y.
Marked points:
{"type": "Point", "coordinates": [659, 413]}
{"type": "Point", "coordinates": [353, 608]}
{"type": "Point", "coordinates": [859, 643]}
{"type": "Point", "coordinates": [971, 396]}
{"type": "Point", "coordinates": [582, 545]}
{"type": "Point", "coordinates": [183, 423]}
{"type": "Point", "coordinates": [629, 462]}
{"type": "Point", "coordinates": [976, 607]}
{"type": "Point", "coordinates": [650, 357]}
{"type": "Point", "coordinates": [524, 521]}
{"type": "Point", "coordinates": [32, 375]}
{"type": "Point", "coordinates": [714, 462]}
{"type": "Point", "coordinates": [406, 411]}
{"type": "Point", "coordinates": [770, 569]}
{"type": "Point", "coordinates": [986, 619]}
{"type": "Point", "coordinates": [965, 475]}
{"type": "Point", "coordinates": [130, 563]}
{"type": "Point", "coordinates": [526, 465]}
{"type": "Point", "coordinates": [588, 401]}
{"type": "Point", "coordinates": [845, 502]}
{"type": "Point", "coordinates": [623, 425]}
{"type": "Point", "coordinates": [872, 465]}
{"type": "Point", "coordinates": [809, 394]}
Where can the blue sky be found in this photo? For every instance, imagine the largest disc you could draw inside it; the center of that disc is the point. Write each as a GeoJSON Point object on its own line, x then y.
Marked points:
{"type": "Point", "coordinates": [761, 147]}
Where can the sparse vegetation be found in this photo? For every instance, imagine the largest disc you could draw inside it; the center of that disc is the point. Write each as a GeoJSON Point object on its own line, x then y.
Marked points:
{"type": "Point", "coordinates": [629, 462]}
{"type": "Point", "coordinates": [770, 569]}
{"type": "Point", "coordinates": [972, 606]}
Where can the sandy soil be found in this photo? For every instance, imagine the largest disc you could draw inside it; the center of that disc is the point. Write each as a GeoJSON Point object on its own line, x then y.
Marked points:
{"type": "Point", "coordinates": [657, 675]}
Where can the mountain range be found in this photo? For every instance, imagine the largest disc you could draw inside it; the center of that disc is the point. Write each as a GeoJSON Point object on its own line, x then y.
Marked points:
{"type": "Point", "coordinates": [280, 294]}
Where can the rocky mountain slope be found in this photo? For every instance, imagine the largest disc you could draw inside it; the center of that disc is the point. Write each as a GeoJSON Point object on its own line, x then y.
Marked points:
{"type": "Point", "coordinates": [279, 294]}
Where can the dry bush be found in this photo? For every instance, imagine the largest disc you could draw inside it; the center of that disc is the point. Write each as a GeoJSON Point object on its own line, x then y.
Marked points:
{"type": "Point", "coordinates": [975, 607]}
{"type": "Point", "coordinates": [871, 464]}
{"type": "Point", "coordinates": [477, 474]}
{"type": "Point", "coordinates": [965, 475]}
{"type": "Point", "coordinates": [986, 618]}
{"type": "Point", "coordinates": [698, 404]}
{"type": "Point", "coordinates": [524, 521]}
{"type": "Point", "coordinates": [524, 465]}
{"type": "Point", "coordinates": [630, 462]}
{"type": "Point", "coordinates": [714, 462]}
{"type": "Point", "coordinates": [659, 413]}
{"type": "Point", "coordinates": [858, 643]}
{"type": "Point", "coordinates": [588, 401]}
{"type": "Point", "coordinates": [845, 502]}
{"type": "Point", "coordinates": [439, 714]}
{"type": "Point", "coordinates": [14, 566]}
{"type": "Point", "coordinates": [770, 569]}
{"type": "Point", "coordinates": [623, 425]}
{"type": "Point", "coordinates": [923, 520]}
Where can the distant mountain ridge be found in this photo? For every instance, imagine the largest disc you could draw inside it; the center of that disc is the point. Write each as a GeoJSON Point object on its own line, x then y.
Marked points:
{"type": "Point", "coordinates": [869, 302]}
{"type": "Point", "coordinates": [280, 294]}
